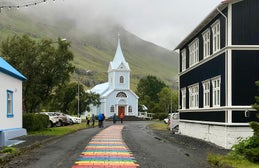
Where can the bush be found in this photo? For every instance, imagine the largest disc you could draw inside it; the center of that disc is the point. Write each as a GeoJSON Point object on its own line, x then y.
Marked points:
{"type": "Point", "coordinates": [160, 116]}
{"type": "Point", "coordinates": [35, 122]}
{"type": "Point", "coordinates": [249, 147]}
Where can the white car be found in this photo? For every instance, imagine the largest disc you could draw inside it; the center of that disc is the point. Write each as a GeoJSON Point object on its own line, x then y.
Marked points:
{"type": "Point", "coordinates": [52, 118]}
{"type": "Point", "coordinates": [73, 120]}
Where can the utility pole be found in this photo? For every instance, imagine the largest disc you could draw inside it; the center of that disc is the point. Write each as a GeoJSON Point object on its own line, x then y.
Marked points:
{"type": "Point", "coordinates": [78, 104]}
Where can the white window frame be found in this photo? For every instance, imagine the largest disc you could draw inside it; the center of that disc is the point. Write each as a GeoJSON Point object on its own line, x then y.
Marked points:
{"type": "Point", "coordinates": [183, 92]}
{"type": "Point", "coordinates": [206, 43]}
{"type": "Point", "coordinates": [9, 101]}
{"type": "Point", "coordinates": [183, 54]}
{"type": "Point", "coordinates": [216, 36]}
{"type": "Point", "coordinates": [194, 52]}
{"type": "Point", "coordinates": [216, 89]}
{"type": "Point", "coordinates": [206, 93]}
{"type": "Point", "coordinates": [194, 96]}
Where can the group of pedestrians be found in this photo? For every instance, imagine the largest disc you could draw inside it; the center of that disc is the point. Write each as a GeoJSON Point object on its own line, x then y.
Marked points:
{"type": "Point", "coordinates": [90, 118]}
{"type": "Point", "coordinates": [101, 118]}
{"type": "Point", "coordinates": [114, 118]}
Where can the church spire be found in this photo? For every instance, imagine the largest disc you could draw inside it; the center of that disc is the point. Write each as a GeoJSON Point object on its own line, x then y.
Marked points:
{"type": "Point", "coordinates": [119, 58]}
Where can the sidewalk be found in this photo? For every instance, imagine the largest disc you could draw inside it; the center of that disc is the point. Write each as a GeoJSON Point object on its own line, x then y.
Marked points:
{"type": "Point", "coordinates": [107, 150]}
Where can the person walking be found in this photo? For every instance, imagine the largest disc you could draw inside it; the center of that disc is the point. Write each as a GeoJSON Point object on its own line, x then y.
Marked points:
{"type": "Point", "coordinates": [100, 120]}
{"type": "Point", "coordinates": [93, 120]}
{"type": "Point", "coordinates": [103, 120]}
{"type": "Point", "coordinates": [88, 118]}
{"type": "Point", "coordinates": [114, 118]}
{"type": "Point", "coordinates": [121, 117]}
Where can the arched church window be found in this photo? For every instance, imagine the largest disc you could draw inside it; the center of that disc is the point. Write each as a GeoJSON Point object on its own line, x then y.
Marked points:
{"type": "Point", "coordinates": [112, 108]}
{"type": "Point", "coordinates": [121, 94]}
{"type": "Point", "coordinates": [130, 109]}
{"type": "Point", "coordinates": [121, 79]}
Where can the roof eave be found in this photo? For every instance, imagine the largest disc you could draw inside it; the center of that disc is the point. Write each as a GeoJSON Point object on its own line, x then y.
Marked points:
{"type": "Point", "coordinates": [20, 77]}
{"type": "Point", "coordinates": [200, 26]}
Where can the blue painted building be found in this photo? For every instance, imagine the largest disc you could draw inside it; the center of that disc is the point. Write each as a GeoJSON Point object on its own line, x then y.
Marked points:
{"type": "Point", "coordinates": [10, 103]}
{"type": "Point", "coordinates": [219, 64]}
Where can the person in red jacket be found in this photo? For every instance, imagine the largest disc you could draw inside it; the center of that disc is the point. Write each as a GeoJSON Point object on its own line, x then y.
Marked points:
{"type": "Point", "coordinates": [121, 117]}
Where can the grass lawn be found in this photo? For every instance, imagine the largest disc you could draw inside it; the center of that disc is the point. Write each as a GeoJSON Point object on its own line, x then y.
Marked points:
{"type": "Point", "coordinates": [59, 131]}
{"type": "Point", "coordinates": [159, 125]}
{"type": "Point", "coordinates": [230, 161]}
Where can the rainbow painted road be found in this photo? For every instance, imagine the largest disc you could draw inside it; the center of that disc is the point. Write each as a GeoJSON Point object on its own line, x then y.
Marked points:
{"type": "Point", "coordinates": [108, 150]}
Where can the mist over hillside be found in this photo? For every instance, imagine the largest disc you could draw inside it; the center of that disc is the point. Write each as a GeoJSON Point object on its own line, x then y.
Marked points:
{"type": "Point", "coordinates": [93, 42]}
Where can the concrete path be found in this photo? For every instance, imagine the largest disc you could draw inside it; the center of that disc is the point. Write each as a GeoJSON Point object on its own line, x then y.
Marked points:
{"type": "Point", "coordinates": [107, 150]}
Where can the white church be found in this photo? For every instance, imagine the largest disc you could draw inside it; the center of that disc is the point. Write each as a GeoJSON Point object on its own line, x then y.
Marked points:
{"type": "Point", "coordinates": [116, 97]}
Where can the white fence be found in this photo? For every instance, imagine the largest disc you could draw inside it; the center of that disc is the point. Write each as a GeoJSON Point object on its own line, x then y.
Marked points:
{"type": "Point", "coordinates": [145, 115]}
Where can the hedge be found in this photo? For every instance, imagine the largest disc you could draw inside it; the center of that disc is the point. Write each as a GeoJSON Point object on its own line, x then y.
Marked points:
{"type": "Point", "coordinates": [35, 122]}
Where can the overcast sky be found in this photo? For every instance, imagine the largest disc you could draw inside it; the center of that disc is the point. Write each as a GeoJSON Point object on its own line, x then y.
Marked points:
{"type": "Point", "coordinates": [163, 22]}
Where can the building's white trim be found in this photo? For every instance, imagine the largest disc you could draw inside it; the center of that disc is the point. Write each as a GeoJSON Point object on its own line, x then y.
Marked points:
{"type": "Point", "coordinates": [215, 123]}
{"type": "Point", "coordinates": [218, 53]}
{"type": "Point", "coordinates": [222, 108]}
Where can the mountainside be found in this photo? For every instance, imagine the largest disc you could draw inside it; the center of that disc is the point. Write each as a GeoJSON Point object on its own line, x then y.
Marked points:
{"type": "Point", "coordinates": [93, 50]}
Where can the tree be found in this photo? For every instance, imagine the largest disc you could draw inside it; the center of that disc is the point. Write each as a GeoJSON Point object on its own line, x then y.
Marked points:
{"type": "Point", "coordinates": [65, 99]}
{"type": "Point", "coordinates": [147, 90]}
{"type": "Point", "coordinates": [168, 99]}
{"type": "Point", "coordinates": [150, 86]}
{"type": "Point", "coordinates": [46, 67]}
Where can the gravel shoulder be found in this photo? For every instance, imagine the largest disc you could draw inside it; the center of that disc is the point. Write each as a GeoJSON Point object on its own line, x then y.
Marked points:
{"type": "Point", "coordinates": [197, 145]}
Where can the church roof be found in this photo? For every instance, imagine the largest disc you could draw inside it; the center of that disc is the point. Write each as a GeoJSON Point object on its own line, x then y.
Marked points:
{"type": "Point", "coordinates": [9, 70]}
{"type": "Point", "coordinates": [118, 58]}
{"type": "Point", "coordinates": [101, 88]}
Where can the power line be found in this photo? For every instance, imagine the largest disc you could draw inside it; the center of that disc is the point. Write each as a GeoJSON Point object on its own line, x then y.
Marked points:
{"type": "Point", "coordinates": [25, 5]}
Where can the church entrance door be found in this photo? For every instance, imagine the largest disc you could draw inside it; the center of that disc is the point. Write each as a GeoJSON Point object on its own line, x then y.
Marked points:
{"type": "Point", "coordinates": [121, 110]}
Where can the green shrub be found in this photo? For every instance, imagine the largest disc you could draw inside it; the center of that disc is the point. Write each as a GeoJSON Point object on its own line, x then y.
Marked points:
{"type": "Point", "coordinates": [160, 116]}
{"type": "Point", "coordinates": [10, 150]}
{"type": "Point", "coordinates": [35, 122]}
{"type": "Point", "coordinates": [249, 147]}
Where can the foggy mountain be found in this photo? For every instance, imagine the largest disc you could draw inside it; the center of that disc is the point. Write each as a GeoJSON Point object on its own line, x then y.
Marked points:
{"type": "Point", "coordinates": [93, 42]}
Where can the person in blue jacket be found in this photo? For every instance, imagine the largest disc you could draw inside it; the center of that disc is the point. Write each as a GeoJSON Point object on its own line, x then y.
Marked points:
{"type": "Point", "coordinates": [100, 120]}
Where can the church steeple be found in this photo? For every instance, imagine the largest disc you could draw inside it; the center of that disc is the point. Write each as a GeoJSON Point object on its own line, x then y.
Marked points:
{"type": "Point", "coordinates": [119, 59]}
{"type": "Point", "coordinates": [119, 71]}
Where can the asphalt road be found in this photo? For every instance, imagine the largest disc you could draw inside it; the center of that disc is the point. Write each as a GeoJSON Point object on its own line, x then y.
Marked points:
{"type": "Point", "coordinates": [154, 151]}
{"type": "Point", "coordinates": [149, 149]}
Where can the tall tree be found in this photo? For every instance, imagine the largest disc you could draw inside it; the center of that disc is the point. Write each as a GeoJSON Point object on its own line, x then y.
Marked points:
{"type": "Point", "coordinates": [65, 99]}
{"type": "Point", "coordinates": [168, 99]}
{"type": "Point", "coordinates": [148, 89]}
{"type": "Point", "coordinates": [45, 63]}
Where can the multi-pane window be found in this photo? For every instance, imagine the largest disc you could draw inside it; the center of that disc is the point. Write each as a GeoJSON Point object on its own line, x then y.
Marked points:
{"type": "Point", "coordinates": [112, 108]}
{"type": "Point", "coordinates": [9, 103]}
{"type": "Point", "coordinates": [194, 52]}
{"type": "Point", "coordinates": [216, 36]}
{"type": "Point", "coordinates": [216, 92]}
{"type": "Point", "coordinates": [206, 43]}
{"type": "Point", "coordinates": [206, 94]}
{"type": "Point", "coordinates": [183, 53]}
{"type": "Point", "coordinates": [130, 109]}
{"type": "Point", "coordinates": [121, 94]}
{"type": "Point", "coordinates": [194, 96]}
{"type": "Point", "coordinates": [183, 92]}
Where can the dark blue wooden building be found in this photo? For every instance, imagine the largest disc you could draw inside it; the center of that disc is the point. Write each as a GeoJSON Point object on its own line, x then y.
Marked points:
{"type": "Point", "coordinates": [219, 64]}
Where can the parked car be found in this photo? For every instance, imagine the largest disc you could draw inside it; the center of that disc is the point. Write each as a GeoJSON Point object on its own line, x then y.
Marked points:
{"type": "Point", "coordinates": [62, 119]}
{"type": "Point", "coordinates": [73, 120]}
{"type": "Point", "coordinates": [173, 121]}
{"type": "Point", "coordinates": [52, 118]}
